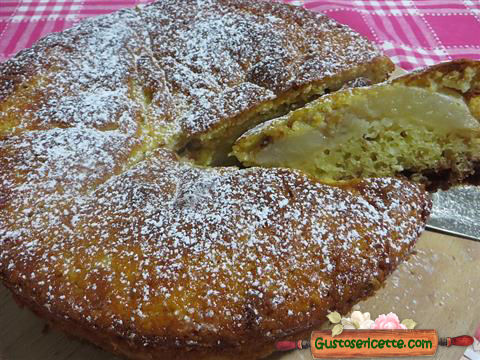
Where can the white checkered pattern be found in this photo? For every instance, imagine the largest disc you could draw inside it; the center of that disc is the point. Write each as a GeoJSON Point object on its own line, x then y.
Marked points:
{"type": "Point", "coordinates": [412, 32]}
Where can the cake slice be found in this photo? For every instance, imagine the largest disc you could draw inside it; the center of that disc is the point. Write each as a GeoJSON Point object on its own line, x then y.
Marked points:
{"type": "Point", "coordinates": [229, 65]}
{"type": "Point", "coordinates": [424, 125]}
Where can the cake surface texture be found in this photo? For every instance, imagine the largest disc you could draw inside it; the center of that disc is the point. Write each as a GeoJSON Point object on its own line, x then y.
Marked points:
{"type": "Point", "coordinates": [113, 228]}
{"type": "Point", "coordinates": [424, 125]}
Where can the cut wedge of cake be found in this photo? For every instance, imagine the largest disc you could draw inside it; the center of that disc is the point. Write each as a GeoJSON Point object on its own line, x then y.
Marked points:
{"type": "Point", "coordinates": [424, 125]}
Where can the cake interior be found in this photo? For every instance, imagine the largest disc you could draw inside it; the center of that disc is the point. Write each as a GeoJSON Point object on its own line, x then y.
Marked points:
{"type": "Point", "coordinates": [382, 130]}
{"type": "Point", "coordinates": [214, 147]}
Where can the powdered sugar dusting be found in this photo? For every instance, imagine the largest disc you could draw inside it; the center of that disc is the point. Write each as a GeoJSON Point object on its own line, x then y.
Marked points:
{"type": "Point", "coordinates": [246, 246]}
{"type": "Point", "coordinates": [101, 227]}
{"type": "Point", "coordinates": [229, 55]}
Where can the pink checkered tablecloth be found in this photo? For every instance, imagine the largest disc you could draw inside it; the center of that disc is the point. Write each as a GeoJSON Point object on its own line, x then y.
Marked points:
{"type": "Point", "coordinates": [413, 33]}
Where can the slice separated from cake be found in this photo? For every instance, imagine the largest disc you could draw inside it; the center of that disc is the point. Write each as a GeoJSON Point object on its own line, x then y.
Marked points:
{"type": "Point", "coordinates": [424, 125]}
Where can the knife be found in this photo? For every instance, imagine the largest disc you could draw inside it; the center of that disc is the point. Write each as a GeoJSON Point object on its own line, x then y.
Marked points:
{"type": "Point", "coordinates": [456, 212]}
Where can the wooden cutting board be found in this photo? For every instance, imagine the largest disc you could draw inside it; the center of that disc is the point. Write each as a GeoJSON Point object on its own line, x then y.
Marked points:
{"type": "Point", "coordinates": [439, 287]}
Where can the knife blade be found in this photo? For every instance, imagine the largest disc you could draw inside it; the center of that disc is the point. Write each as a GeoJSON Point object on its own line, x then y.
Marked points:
{"type": "Point", "coordinates": [456, 212]}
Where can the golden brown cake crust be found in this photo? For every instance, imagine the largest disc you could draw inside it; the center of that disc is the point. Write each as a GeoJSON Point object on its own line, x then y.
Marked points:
{"type": "Point", "coordinates": [196, 64]}
{"type": "Point", "coordinates": [172, 259]}
{"type": "Point", "coordinates": [107, 234]}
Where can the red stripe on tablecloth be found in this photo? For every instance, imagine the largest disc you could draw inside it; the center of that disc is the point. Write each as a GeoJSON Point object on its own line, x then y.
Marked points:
{"type": "Point", "coordinates": [412, 32]}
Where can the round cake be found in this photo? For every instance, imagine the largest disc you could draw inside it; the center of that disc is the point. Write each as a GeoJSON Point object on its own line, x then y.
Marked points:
{"type": "Point", "coordinates": [117, 225]}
